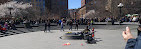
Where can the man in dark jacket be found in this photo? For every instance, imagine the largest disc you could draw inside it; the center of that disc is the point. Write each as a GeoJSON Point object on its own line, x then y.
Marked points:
{"type": "Point", "coordinates": [49, 26]}
{"type": "Point", "coordinates": [132, 43]}
{"type": "Point", "coordinates": [76, 25]}
{"type": "Point", "coordinates": [139, 28]}
{"type": "Point", "coordinates": [70, 24]}
{"type": "Point", "coordinates": [45, 29]}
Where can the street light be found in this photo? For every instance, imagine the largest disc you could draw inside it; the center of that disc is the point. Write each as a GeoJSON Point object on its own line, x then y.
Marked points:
{"type": "Point", "coordinates": [74, 13]}
{"type": "Point", "coordinates": [10, 7]}
{"type": "Point", "coordinates": [120, 6]}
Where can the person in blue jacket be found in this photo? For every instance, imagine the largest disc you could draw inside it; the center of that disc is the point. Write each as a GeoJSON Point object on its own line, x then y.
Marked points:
{"type": "Point", "coordinates": [132, 43]}
{"type": "Point", "coordinates": [60, 22]}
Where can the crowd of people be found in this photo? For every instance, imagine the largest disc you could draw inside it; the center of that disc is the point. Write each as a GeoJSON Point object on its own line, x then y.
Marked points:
{"type": "Point", "coordinates": [10, 23]}
{"type": "Point", "coordinates": [7, 25]}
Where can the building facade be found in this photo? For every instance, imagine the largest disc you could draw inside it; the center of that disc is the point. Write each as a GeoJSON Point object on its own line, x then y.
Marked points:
{"type": "Point", "coordinates": [84, 2]}
{"type": "Point", "coordinates": [81, 12]}
{"type": "Point", "coordinates": [58, 7]}
{"type": "Point", "coordinates": [72, 13]}
{"type": "Point", "coordinates": [39, 4]}
{"type": "Point", "coordinates": [109, 8]}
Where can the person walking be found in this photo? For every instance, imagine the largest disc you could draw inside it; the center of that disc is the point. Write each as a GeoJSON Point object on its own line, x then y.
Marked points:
{"type": "Point", "coordinates": [62, 29]}
{"type": "Point", "coordinates": [112, 21]}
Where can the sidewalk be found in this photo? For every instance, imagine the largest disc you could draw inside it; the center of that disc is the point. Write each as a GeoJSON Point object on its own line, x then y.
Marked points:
{"type": "Point", "coordinates": [95, 23]}
{"type": "Point", "coordinates": [107, 39]}
{"type": "Point", "coordinates": [125, 23]}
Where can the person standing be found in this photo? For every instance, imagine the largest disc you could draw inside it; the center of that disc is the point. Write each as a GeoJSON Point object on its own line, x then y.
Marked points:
{"type": "Point", "coordinates": [6, 25]}
{"type": "Point", "coordinates": [45, 29]}
{"type": "Point", "coordinates": [28, 25]}
{"type": "Point", "coordinates": [89, 25]}
{"type": "Point", "coordinates": [139, 28]}
{"type": "Point", "coordinates": [112, 21]}
{"type": "Point", "coordinates": [49, 26]}
{"type": "Point", "coordinates": [25, 23]}
{"type": "Point", "coordinates": [70, 24]}
{"type": "Point", "coordinates": [76, 27]}
{"type": "Point", "coordinates": [92, 22]}
{"type": "Point", "coordinates": [13, 26]}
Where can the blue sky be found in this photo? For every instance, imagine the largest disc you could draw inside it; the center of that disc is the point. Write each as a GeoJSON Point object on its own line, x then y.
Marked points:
{"type": "Point", "coordinates": [74, 4]}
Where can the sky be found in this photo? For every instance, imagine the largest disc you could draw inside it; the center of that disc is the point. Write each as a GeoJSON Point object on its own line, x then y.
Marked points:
{"type": "Point", "coordinates": [74, 4]}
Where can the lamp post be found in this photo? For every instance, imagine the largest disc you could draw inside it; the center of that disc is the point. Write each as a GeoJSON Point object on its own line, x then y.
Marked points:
{"type": "Point", "coordinates": [10, 8]}
{"type": "Point", "coordinates": [120, 6]}
{"type": "Point", "coordinates": [75, 14]}
{"type": "Point", "coordinates": [74, 11]}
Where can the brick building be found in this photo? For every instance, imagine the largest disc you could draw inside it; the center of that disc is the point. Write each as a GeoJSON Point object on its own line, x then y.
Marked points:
{"type": "Point", "coordinates": [109, 8]}
{"type": "Point", "coordinates": [72, 13]}
{"type": "Point", "coordinates": [84, 2]}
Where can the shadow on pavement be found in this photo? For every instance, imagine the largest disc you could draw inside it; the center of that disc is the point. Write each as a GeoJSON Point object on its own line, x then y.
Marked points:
{"type": "Point", "coordinates": [15, 32]}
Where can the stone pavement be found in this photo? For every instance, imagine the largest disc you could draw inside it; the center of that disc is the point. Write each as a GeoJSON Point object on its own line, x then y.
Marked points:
{"type": "Point", "coordinates": [107, 39]}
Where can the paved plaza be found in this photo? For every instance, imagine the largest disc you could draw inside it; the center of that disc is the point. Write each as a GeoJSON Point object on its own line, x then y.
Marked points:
{"type": "Point", "coordinates": [37, 39]}
{"type": "Point", "coordinates": [70, 24]}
